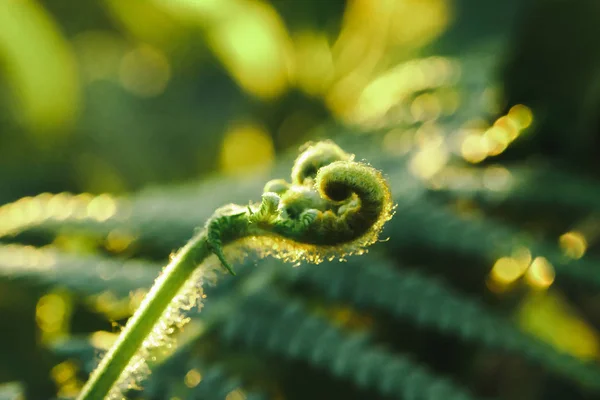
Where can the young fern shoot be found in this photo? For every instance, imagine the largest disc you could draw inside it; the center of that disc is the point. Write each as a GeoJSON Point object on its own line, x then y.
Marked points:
{"type": "Point", "coordinates": [333, 207]}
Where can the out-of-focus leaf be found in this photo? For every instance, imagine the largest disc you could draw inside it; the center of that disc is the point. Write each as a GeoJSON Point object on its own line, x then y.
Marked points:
{"type": "Point", "coordinates": [248, 37]}
{"type": "Point", "coordinates": [40, 66]}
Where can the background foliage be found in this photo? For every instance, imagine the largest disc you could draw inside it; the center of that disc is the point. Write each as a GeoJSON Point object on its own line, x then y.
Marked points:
{"type": "Point", "coordinates": [124, 124]}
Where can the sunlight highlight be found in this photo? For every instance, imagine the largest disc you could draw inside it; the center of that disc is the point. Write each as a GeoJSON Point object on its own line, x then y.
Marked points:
{"type": "Point", "coordinates": [254, 45]}
{"type": "Point", "coordinates": [32, 211]}
{"type": "Point", "coordinates": [65, 377]}
{"type": "Point", "coordinates": [52, 314]}
{"type": "Point", "coordinates": [573, 244]}
{"type": "Point", "coordinates": [102, 208]}
{"type": "Point", "coordinates": [540, 274]}
{"type": "Point", "coordinates": [192, 378]}
{"type": "Point", "coordinates": [237, 394]}
{"type": "Point", "coordinates": [247, 147]}
{"type": "Point", "coordinates": [479, 144]}
{"type": "Point", "coordinates": [391, 90]}
{"type": "Point", "coordinates": [103, 340]}
{"type": "Point", "coordinates": [508, 270]}
{"type": "Point", "coordinates": [552, 319]}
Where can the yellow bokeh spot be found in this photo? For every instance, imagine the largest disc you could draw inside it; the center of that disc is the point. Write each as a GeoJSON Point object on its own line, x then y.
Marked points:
{"type": "Point", "coordinates": [417, 22]}
{"type": "Point", "coordinates": [31, 208]}
{"type": "Point", "coordinates": [507, 270]}
{"type": "Point", "coordinates": [147, 22]}
{"type": "Point", "coordinates": [70, 389]}
{"type": "Point", "coordinates": [496, 178]}
{"type": "Point", "coordinates": [21, 257]}
{"type": "Point", "coordinates": [236, 394]}
{"type": "Point", "coordinates": [246, 147]}
{"type": "Point", "coordinates": [50, 311]}
{"type": "Point", "coordinates": [369, 100]}
{"type": "Point", "coordinates": [79, 203]}
{"type": "Point", "coordinates": [573, 244]}
{"type": "Point", "coordinates": [102, 207]}
{"type": "Point", "coordinates": [118, 241]}
{"type": "Point", "coordinates": [426, 107]}
{"type": "Point", "coordinates": [496, 140]}
{"type": "Point", "coordinates": [480, 142]}
{"type": "Point", "coordinates": [145, 71]}
{"type": "Point", "coordinates": [74, 243]}
{"type": "Point", "coordinates": [314, 62]}
{"type": "Point", "coordinates": [112, 306]}
{"type": "Point", "coordinates": [521, 115]}
{"type": "Point", "coordinates": [474, 148]}
{"type": "Point", "coordinates": [63, 372]}
{"type": "Point", "coordinates": [136, 298]}
{"type": "Point", "coordinates": [540, 274]}
{"type": "Point", "coordinates": [550, 318]}
{"type": "Point", "coordinates": [51, 314]}
{"type": "Point", "coordinates": [59, 206]}
{"type": "Point", "coordinates": [426, 163]}
{"type": "Point", "coordinates": [192, 378]}
{"type": "Point", "coordinates": [429, 135]}
{"type": "Point", "coordinates": [255, 48]}
{"type": "Point", "coordinates": [429, 160]}
{"type": "Point", "coordinates": [523, 256]}
{"type": "Point", "coordinates": [65, 376]}
{"type": "Point", "coordinates": [398, 141]}
{"type": "Point", "coordinates": [510, 127]}
{"type": "Point", "coordinates": [103, 340]}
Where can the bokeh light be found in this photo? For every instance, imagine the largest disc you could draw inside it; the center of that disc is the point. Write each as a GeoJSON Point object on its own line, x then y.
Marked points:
{"type": "Point", "coordinates": [573, 244]}
{"type": "Point", "coordinates": [42, 70]}
{"type": "Point", "coordinates": [122, 119]}
{"type": "Point", "coordinates": [246, 147]}
{"type": "Point", "coordinates": [192, 378]}
{"type": "Point", "coordinates": [540, 274]}
{"type": "Point", "coordinates": [144, 71]}
{"type": "Point", "coordinates": [551, 318]}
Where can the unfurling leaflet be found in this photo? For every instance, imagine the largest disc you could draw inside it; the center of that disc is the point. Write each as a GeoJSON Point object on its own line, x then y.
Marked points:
{"type": "Point", "coordinates": [333, 207]}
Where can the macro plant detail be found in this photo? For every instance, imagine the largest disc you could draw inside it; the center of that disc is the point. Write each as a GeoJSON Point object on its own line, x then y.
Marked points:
{"type": "Point", "coordinates": [482, 116]}
{"type": "Point", "coordinates": [333, 207]}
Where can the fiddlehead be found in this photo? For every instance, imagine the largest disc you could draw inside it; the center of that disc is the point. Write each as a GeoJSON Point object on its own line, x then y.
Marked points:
{"type": "Point", "coordinates": [333, 207]}
{"type": "Point", "coordinates": [313, 157]}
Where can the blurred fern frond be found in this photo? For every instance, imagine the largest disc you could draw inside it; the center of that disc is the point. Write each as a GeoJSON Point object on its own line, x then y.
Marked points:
{"type": "Point", "coordinates": [272, 323]}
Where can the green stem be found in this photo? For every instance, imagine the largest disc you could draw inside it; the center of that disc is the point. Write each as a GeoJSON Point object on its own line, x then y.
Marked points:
{"type": "Point", "coordinates": [174, 276]}
{"type": "Point", "coordinates": [333, 208]}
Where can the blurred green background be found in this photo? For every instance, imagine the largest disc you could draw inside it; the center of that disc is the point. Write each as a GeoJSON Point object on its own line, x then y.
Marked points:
{"type": "Point", "coordinates": [114, 99]}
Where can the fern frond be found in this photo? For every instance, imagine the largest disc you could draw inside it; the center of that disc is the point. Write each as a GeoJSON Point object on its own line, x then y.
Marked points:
{"type": "Point", "coordinates": [286, 328]}
{"type": "Point", "coordinates": [165, 222]}
{"type": "Point", "coordinates": [85, 274]}
{"type": "Point", "coordinates": [168, 378]}
{"type": "Point", "coordinates": [433, 305]}
{"type": "Point", "coordinates": [427, 223]}
{"type": "Point", "coordinates": [527, 185]}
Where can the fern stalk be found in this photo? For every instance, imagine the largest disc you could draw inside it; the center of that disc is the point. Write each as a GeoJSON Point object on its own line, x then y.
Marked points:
{"type": "Point", "coordinates": [333, 207]}
{"type": "Point", "coordinates": [139, 327]}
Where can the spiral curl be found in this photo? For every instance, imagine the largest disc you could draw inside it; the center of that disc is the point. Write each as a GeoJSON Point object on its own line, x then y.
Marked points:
{"type": "Point", "coordinates": [333, 207]}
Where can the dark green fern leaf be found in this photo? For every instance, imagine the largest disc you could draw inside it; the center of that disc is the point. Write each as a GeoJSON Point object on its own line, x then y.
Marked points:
{"type": "Point", "coordinates": [284, 327]}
